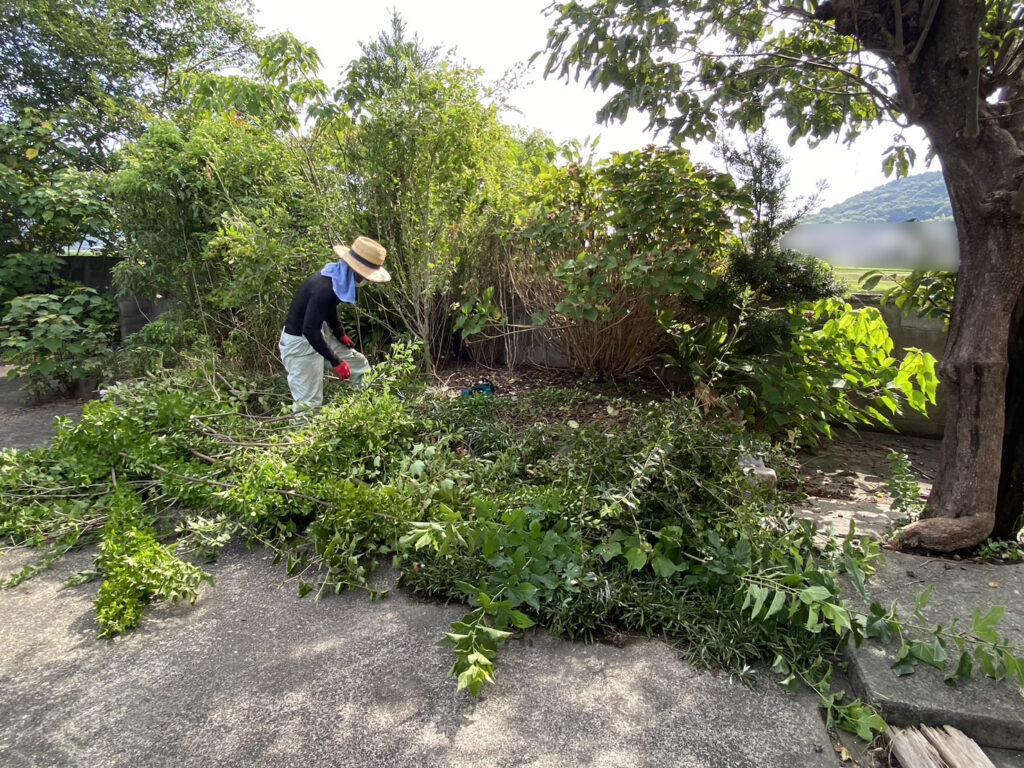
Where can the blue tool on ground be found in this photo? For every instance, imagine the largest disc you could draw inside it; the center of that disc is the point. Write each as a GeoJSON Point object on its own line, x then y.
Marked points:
{"type": "Point", "coordinates": [485, 388]}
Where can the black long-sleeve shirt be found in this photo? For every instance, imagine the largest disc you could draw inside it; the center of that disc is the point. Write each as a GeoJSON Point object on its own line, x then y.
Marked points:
{"type": "Point", "coordinates": [314, 304]}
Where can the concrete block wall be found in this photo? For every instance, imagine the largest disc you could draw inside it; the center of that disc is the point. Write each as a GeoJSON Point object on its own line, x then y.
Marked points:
{"type": "Point", "coordinates": [92, 271]}
{"type": "Point", "coordinates": [97, 272]}
{"type": "Point", "coordinates": [135, 313]}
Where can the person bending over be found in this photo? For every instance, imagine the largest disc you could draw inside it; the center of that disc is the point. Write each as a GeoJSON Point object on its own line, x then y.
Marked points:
{"type": "Point", "coordinates": [305, 343]}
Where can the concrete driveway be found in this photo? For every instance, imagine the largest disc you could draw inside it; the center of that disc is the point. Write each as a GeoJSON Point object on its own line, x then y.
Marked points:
{"type": "Point", "coordinates": [253, 676]}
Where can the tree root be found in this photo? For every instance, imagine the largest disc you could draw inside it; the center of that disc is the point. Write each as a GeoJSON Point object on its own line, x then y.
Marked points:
{"type": "Point", "coordinates": [947, 534]}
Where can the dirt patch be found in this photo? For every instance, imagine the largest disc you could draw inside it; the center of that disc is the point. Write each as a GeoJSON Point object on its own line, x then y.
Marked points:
{"type": "Point", "coordinates": [525, 380]}
{"type": "Point", "coordinates": [847, 478]}
{"type": "Point", "coordinates": [567, 396]}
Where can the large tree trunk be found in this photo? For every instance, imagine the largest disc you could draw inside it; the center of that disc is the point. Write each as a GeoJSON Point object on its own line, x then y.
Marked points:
{"type": "Point", "coordinates": [973, 495]}
{"type": "Point", "coordinates": [982, 154]}
{"type": "Point", "coordinates": [1010, 504]}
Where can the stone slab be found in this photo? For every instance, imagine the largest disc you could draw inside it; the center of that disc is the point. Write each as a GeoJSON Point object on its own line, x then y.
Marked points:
{"type": "Point", "coordinates": [253, 676]}
{"type": "Point", "coordinates": [1004, 758]}
{"type": "Point", "coordinates": [990, 712]}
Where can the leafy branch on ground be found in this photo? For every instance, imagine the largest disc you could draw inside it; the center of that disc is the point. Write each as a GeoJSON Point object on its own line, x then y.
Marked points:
{"type": "Point", "coordinates": [632, 517]}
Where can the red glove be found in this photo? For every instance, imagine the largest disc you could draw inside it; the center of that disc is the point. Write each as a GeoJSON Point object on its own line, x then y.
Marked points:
{"type": "Point", "coordinates": [343, 370]}
{"type": "Point", "coordinates": [346, 341]}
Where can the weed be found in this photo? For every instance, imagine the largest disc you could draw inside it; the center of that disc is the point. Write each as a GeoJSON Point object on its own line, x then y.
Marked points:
{"type": "Point", "coordinates": [903, 487]}
{"type": "Point", "coordinates": [993, 551]}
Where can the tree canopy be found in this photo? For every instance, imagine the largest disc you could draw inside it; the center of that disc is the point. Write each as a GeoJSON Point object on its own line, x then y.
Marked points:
{"type": "Point", "coordinates": [101, 67]}
{"type": "Point", "coordinates": [827, 68]}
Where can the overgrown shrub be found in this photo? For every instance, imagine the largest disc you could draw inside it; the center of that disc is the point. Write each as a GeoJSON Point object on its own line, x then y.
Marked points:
{"type": "Point", "coordinates": [837, 368]}
{"type": "Point", "coordinates": [618, 241]}
{"type": "Point", "coordinates": [430, 171]}
{"type": "Point", "coordinates": [761, 277]}
{"type": "Point", "coordinates": [167, 342]}
{"type": "Point", "coordinates": [55, 340]}
{"type": "Point", "coordinates": [218, 215]}
{"type": "Point", "coordinates": [776, 278]}
{"type": "Point", "coordinates": [27, 272]}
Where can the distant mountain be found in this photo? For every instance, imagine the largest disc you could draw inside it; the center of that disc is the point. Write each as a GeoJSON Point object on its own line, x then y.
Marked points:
{"type": "Point", "coordinates": [922, 197]}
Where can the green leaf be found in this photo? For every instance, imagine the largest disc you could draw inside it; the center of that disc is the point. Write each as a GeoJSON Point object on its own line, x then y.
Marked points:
{"type": "Point", "coordinates": [608, 550]}
{"type": "Point", "coordinates": [777, 603]}
{"type": "Point", "coordinates": [636, 558]}
{"type": "Point", "coordinates": [904, 667]}
{"type": "Point", "coordinates": [521, 593]}
{"type": "Point", "coordinates": [663, 566]}
{"type": "Point", "coordinates": [521, 620]}
{"type": "Point", "coordinates": [870, 279]}
{"type": "Point", "coordinates": [856, 574]}
{"type": "Point", "coordinates": [921, 601]}
{"type": "Point", "coordinates": [932, 654]}
{"type": "Point", "coordinates": [984, 626]}
{"type": "Point", "coordinates": [813, 621]}
{"type": "Point", "coordinates": [860, 719]}
{"type": "Point", "coordinates": [761, 594]}
{"type": "Point", "coordinates": [963, 670]}
{"type": "Point", "coordinates": [815, 594]}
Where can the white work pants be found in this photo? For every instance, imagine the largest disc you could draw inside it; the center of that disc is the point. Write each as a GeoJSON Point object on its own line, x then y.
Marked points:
{"type": "Point", "coordinates": [306, 368]}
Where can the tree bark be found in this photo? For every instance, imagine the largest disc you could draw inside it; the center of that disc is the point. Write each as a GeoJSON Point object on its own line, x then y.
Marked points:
{"type": "Point", "coordinates": [983, 165]}
{"type": "Point", "coordinates": [1010, 502]}
{"type": "Point", "coordinates": [971, 497]}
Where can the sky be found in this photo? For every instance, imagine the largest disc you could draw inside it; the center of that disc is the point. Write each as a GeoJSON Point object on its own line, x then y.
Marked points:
{"type": "Point", "coordinates": [498, 35]}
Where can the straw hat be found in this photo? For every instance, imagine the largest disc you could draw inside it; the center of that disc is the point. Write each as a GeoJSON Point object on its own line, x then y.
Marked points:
{"type": "Point", "coordinates": [366, 257]}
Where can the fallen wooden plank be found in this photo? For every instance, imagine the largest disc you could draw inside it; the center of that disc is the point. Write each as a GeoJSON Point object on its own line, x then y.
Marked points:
{"type": "Point", "coordinates": [913, 750]}
{"type": "Point", "coordinates": [957, 749]}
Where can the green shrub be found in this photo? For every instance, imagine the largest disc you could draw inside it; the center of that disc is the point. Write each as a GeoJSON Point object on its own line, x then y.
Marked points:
{"type": "Point", "coordinates": [57, 340]}
{"type": "Point", "coordinates": [779, 276]}
{"type": "Point", "coordinates": [429, 171]}
{"type": "Point", "coordinates": [929, 293]}
{"type": "Point", "coordinates": [837, 368]}
{"type": "Point", "coordinates": [25, 273]}
{"type": "Point", "coordinates": [616, 243]}
{"type": "Point", "coordinates": [219, 217]}
{"type": "Point", "coordinates": [167, 342]}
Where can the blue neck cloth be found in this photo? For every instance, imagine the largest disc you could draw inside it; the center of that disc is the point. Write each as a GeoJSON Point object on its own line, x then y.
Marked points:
{"type": "Point", "coordinates": [344, 280]}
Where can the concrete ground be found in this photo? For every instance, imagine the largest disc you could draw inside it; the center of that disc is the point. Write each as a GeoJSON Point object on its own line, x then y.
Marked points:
{"type": "Point", "coordinates": [990, 712]}
{"type": "Point", "coordinates": [253, 676]}
{"type": "Point", "coordinates": [25, 425]}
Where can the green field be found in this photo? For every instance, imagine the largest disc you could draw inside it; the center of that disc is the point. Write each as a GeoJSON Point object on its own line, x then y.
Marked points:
{"type": "Point", "coordinates": [850, 276]}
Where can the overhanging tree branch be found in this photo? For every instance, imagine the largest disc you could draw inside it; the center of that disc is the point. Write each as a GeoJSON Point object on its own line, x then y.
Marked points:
{"type": "Point", "coordinates": [928, 10]}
